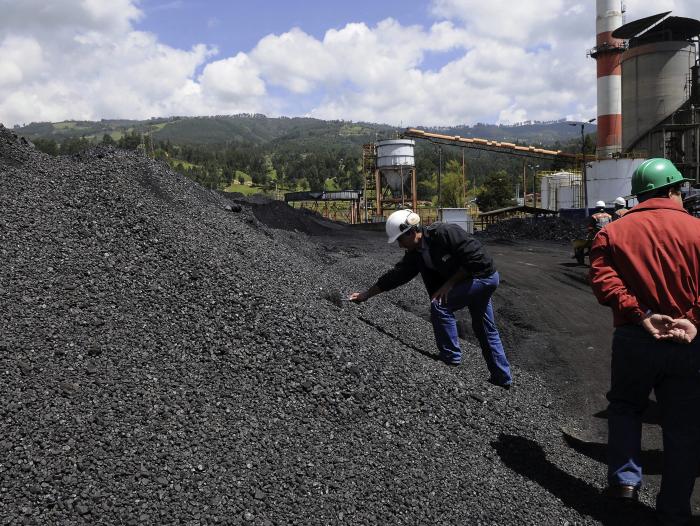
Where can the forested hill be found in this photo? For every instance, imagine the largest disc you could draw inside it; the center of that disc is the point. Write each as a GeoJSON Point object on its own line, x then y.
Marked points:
{"type": "Point", "coordinates": [254, 153]}
{"type": "Point", "coordinates": [259, 130]}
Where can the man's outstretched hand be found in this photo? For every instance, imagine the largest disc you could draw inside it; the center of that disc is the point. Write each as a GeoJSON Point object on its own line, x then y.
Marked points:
{"type": "Point", "coordinates": [358, 297]}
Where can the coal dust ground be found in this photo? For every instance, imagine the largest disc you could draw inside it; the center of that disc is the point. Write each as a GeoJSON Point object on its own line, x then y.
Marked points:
{"type": "Point", "coordinates": [172, 356]}
{"type": "Point", "coordinates": [551, 326]}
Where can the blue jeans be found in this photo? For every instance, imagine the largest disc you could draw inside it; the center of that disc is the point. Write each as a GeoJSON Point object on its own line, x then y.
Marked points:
{"type": "Point", "coordinates": [475, 294]}
{"type": "Point", "coordinates": [640, 364]}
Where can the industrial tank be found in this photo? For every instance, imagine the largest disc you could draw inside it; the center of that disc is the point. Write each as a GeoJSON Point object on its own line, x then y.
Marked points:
{"type": "Point", "coordinates": [561, 190]}
{"type": "Point", "coordinates": [654, 85]}
{"type": "Point", "coordinates": [395, 160]}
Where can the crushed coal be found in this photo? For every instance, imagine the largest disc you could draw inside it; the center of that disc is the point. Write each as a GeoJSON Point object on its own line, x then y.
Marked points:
{"type": "Point", "coordinates": [280, 215]}
{"type": "Point", "coordinates": [535, 228]}
{"type": "Point", "coordinates": [166, 360]}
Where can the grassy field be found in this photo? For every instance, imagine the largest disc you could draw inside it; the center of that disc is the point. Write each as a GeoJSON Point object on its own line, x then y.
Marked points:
{"type": "Point", "coordinates": [243, 189]}
{"type": "Point", "coordinates": [64, 125]}
{"type": "Point", "coordinates": [184, 164]}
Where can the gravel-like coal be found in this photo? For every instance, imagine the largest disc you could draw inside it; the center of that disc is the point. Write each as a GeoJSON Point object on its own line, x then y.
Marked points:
{"type": "Point", "coordinates": [168, 359]}
{"type": "Point", "coordinates": [540, 228]}
{"type": "Point", "coordinates": [277, 214]}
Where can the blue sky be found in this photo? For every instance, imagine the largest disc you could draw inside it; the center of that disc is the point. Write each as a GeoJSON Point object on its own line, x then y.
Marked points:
{"type": "Point", "coordinates": [235, 25]}
{"type": "Point", "coordinates": [238, 26]}
{"type": "Point", "coordinates": [431, 62]}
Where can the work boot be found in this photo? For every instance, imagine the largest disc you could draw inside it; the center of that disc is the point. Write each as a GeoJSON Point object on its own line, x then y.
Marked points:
{"type": "Point", "coordinates": [495, 382]}
{"type": "Point", "coordinates": [450, 362]}
{"type": "Point", "coordinates": [622, 492]}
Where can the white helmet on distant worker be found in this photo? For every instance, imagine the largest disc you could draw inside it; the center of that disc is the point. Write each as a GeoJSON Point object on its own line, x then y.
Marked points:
{"type": "Point", "coordinates": [620, 201]}
{"type": "Point", "coordinates": [600, 204]}
{"type": "Point", "coordinates": [400, 222]}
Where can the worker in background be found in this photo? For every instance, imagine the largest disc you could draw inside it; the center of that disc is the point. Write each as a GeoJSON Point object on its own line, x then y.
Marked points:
{"type": "Point", "coordinates": [598, 220]}
{"type": "Point", "coordinates": [647, 269]}
{"type": "Point", "coordinates": [457, 273]}
{"type": "Point", "coordinates": [620, 208]}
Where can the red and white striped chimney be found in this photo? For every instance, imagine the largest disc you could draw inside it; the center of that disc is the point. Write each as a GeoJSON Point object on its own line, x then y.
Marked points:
{"type": "Point", "coordinates": [607, 54]}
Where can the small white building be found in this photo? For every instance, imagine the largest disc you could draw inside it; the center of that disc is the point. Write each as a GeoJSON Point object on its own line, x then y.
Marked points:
{"type": "Point", "coordinates": [458, 216]}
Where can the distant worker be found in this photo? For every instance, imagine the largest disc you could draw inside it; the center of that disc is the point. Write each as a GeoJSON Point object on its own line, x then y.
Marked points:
{"type": "Point", "coordinates": [457, 273]}
{"type": "Point", "coordinates": [620, 208]}
{"type": "Point", "coordinates": [598, 220]}
{"type": "Point", "coordinates": [647, 269]}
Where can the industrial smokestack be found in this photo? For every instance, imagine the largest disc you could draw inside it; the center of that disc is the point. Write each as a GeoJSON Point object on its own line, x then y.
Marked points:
{"type": "Point", "coordinates": [607, 54]}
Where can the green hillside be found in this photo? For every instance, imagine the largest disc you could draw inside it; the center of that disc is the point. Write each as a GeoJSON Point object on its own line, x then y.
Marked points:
{"type": "Point", "coordinates": [260, 130]}
{"type": "Point", "coordinates": [254, 153]}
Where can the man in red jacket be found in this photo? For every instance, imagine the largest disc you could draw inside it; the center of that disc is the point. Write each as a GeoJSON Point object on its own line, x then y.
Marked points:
{"type": "Point", "coordinates": [647, 269]}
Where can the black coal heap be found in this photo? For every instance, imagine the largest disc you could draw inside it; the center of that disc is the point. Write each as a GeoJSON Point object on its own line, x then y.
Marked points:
{"type": "Point", "coordinates": [168, 359]}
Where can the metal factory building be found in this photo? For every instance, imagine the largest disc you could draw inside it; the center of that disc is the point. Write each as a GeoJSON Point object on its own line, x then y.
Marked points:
{"type": "Point", "coordinates": [660, 91]}
{"type": "Point", "coordinates": [648, 104]}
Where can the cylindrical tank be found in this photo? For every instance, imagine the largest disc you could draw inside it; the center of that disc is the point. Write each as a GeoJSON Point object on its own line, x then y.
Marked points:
{"type": "Point", "coordinates": [654, 82]}
{"type": "Point", "coordinates": [607, 55]}
{"type": "Point", "coordinates": [395, 160]}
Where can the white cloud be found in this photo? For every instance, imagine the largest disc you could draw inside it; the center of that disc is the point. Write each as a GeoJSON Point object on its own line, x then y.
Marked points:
{"type": "Point", "coordinates": [21, 59]}
{"type": "Point", "coordinates": [232, 80]}
{"type": "Point", "coordinates": [503, 60]}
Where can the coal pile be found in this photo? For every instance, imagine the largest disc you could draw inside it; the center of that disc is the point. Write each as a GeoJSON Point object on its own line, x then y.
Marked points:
{"type": "Point", "coordinates": [279, 215]}
{"type": "Point", "coordinates": [167, 358]}
{"type": "Point", "coordinates": [541, 228]}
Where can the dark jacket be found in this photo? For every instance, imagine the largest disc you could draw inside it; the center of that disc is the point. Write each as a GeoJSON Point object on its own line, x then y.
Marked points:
{"type": "Point", "coordinates": [450, 248]}
{"type": "Point", "coordinates": [651, 260]}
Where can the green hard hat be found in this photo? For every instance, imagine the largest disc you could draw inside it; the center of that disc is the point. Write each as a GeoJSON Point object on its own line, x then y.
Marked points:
{"type": "Point", "coordinates": [653, 174]}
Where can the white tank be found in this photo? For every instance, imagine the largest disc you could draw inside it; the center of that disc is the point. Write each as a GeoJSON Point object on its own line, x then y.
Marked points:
{"type": "Point", "coordinates": [395, 160]}
{"type": "Point", "coordinates": [654, 82]}
{"type": "Point", "coordinates": [561, 190]}
{"type": "Point", "coordinates": [610, 178]}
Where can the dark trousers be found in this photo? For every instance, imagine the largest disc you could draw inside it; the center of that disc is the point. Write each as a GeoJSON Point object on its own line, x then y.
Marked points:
{"type": "Point", "coordinates": [640, 364]}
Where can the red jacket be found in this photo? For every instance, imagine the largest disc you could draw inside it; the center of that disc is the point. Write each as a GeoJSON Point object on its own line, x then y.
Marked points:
{"type": "Point", "coordinates": [649, 260]}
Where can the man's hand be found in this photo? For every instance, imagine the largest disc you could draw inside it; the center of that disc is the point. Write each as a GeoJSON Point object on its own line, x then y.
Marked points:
{"type": "Point", "coordinates": [441, 294]}
{"type": "Point", "coordinates": [358, 297]}
{"type": "Point", "coordinates": [664, 327]}
{"type": "Point", "coordinates": [684, 331]}
{"type": "Point", "coordinates": [659, 326]}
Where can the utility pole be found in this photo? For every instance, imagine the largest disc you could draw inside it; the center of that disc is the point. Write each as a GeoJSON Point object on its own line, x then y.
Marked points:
{"type": "Point", "coordinates": [464, 184]}
{"type": "Point", "coordinates": [534, 185]}
{"type": "Point", "coordinates": [583, 163]}
{"type": "Point", "coordinates": [439, 181]}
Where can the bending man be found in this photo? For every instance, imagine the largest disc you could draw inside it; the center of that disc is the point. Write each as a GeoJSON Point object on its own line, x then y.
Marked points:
{"type": "Point", "coordinates": [457, 273]}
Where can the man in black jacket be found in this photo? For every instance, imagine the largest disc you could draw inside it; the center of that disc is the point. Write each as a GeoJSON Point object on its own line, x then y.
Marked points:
{"type": "Point", "coordinates": [457, 273]}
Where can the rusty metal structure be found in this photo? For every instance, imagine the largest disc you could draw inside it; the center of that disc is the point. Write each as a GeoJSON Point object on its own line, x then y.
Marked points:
{"type": "Point", "coordinates": [387, 166]}
{"type": "Point", "coordinates": [495, 146]}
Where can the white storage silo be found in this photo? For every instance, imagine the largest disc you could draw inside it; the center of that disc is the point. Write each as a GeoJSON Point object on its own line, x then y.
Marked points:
{"type": "Point", "coordinates": [654, 85]}
{"type": "Point", "coordinates": [396, 160]}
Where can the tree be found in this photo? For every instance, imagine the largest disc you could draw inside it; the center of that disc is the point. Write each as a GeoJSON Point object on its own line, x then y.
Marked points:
{"type": "Point", "coordinates": [108, 140]}
{"type": "Point", "coordinates": [48, 146]}
{"type": "Point", "coordinates": [452, 189]}
{"type": "Point", "coordinates": [74, 145]}
{"type": "Point", "coordinates": [497, 192]}
{"type": "Point", "coordinates": [130, 141]}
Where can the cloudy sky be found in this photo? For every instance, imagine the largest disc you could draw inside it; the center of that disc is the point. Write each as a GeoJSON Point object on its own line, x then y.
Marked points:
{"type": "Point", "coordinates": [408, 62]}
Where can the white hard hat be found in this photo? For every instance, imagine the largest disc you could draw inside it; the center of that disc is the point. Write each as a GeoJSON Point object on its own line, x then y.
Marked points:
{"type": "Point", "coordinates": [600, 204]}
{"type": "Point", "coordinates": [399, 222]}
{"type": "Point", "coordinates": [620, 201]}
